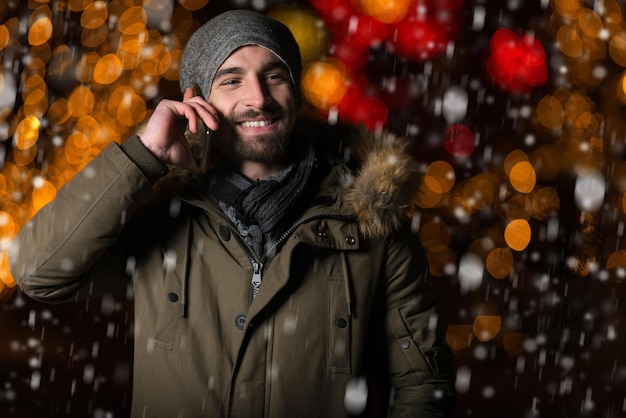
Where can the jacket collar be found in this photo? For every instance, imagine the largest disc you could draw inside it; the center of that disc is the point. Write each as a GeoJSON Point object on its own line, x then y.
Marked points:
{"type": "Point", "coordinates": [372, 175]}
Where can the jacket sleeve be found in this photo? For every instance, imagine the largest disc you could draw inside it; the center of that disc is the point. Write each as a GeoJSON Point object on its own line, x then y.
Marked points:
{"type": "Point", "coordinates": [419, 360]}
{"type": "Point", "coordinates": [71, 248]}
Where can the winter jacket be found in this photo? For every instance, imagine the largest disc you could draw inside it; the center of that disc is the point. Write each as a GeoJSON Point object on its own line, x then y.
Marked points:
{"type": "Point", "coordinates": [344, 313]}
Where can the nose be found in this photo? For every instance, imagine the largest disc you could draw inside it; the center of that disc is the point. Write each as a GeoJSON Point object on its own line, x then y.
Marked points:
{"type": "Point", "coordinates": [257, 93]}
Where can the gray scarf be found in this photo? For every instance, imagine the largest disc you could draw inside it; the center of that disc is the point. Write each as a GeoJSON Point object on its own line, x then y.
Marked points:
{"type": "Point", "coordinates": [259, 208]}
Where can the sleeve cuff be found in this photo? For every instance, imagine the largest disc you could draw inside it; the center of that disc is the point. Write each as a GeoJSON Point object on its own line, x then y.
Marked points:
{"type": "Point", "coordinates": [145, 160]}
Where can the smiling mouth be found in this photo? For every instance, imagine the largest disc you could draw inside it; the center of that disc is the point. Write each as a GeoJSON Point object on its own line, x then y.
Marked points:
{"type": "Point", "coordinates": [257, 123]}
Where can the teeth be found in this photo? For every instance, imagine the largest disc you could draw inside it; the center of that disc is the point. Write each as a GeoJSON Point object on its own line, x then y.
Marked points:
{"type": "Point", "coordinates": [256, 123]}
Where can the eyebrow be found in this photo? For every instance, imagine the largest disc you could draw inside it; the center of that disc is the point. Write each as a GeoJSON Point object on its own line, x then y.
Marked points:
{"type": "Point", "coordinates": [272, 65]}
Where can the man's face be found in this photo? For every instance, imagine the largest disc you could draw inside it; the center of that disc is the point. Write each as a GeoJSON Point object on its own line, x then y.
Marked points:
{"type": "Point", "coordinates": [253, 93]}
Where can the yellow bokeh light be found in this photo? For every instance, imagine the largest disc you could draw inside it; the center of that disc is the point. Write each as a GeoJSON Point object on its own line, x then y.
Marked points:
{"type": "Point", "coordinates": [617, 49]}
{"type": "Point", "coordinates": [439, 177]}
{"type": "Point", "coordinates": [567, 8]}
{"type": "Point", "coordinates": [58, 112]}
{"type": "Point", "coordinates": [5, 37]}
{"type": "Point", "coordinates": [40, 32]}
{"type": "Point", "coordinates": [616, 260]}
{"type": "Point", "coordinates": [523, 177]}
{"type": "Point", "coordinates": [8, 228]}
{"type": "Point", "coordinates": [7, 282]}
{"type": "Point", "coordinates": [308, 30]}
{"type": "Point", "coordinates": [78, 5]}
{"type": "Point", "coordinates": [156, 60]}
{"type": "Point", "coordinates": [131, 110]}
{"type": "Point", "coordinates": [517, 234]}
{"type": "Point", "coordinates": [513, 343]}
{"type": "Point", "coordinates": [544, 202]}
{"type": "Point", "coordinates": [27, 132]}
{"type": "Point", "coordinates": [86, 65]}
{"type": "Point", "coordinates": [108, 69]}
{"type": "Point", "coordinates": [499, 262]}
{"type": "Point", "coordinates": [514, 157]}
{"type": "Point", "coordinates": [80, 102]}
{"type": "Point", "coordinates": [24, 157]}
{"type": "Point", "coordinates": [43, 192]}
{"type": "Point", "coordinates": [576, 106]}
{"type": "Point", "coordinates": [129, 53]}
{"type": "Point", "coordinates": [193, 4]}
{"type": "Point", "coordinates": [174, 68]}
{"type": "Point", "coordinates": [94, 15]}
{"type": "Point", "coordinates": [133, 21]}
{"type": "Point", "coordinates": [435, 236]}
{"type": "Point", "coordinates": [590, 23]}
{"type": "Point", "coordinates": [93, 37]}
{"type": "Point", "coordinates": [426, 198]}
{"type": "Point", "coordinates": [459, 337]}
{"type": "Point", "coordinates": [517, 207]}
{"type": "Point", "coordinates": [486, 327]}
{"type": "Point", "coordinates": [569, 42]}
{"type": "Point", "coordinates": [387, 11]}
{"type": "Point", "coordinates": [550, 112]}
{"type": "Point", "coordinates": [324, 84]}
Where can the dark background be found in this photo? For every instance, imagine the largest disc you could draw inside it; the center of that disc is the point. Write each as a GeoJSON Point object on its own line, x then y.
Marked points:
{"type": "Point", "coordinates": [76, 359]}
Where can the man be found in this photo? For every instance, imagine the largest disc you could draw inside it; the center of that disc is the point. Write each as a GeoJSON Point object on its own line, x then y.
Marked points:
{"type": "Point", "coordinates": [271, 281]}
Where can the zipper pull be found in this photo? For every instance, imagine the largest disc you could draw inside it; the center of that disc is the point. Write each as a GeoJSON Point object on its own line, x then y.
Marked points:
{"type": "Point", "coordinates": [257, 268]}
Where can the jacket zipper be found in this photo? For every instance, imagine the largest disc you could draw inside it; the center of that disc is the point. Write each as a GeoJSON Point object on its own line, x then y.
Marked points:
{"type": "Point", "coordinates": [292, 228]}
{"type": "Point", "coordinates": [258, 265]}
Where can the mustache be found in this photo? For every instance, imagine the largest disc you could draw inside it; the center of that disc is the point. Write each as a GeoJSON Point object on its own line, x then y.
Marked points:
{"type": "Point", "coordinates": [253, 114]}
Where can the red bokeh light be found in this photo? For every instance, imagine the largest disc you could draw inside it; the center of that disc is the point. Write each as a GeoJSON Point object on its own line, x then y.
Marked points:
{"type": "Point", "coordinates": [418, 38]}
{"type": "Point", "coordinates": [459, 140]}
{"type": "Point", "coordinates": [517, 64]}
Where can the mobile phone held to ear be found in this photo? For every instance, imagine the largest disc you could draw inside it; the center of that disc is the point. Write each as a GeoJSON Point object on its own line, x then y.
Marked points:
{"type": "Point", "coordinates": [200, 142]}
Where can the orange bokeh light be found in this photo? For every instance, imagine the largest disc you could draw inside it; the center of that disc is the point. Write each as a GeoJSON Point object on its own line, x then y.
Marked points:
{"type": "Point", "coordinates": [517, 234]}
{"type": "Point", "coordinates": [324, 83]}
{"type": "Point", "coordinates": [486, 327]}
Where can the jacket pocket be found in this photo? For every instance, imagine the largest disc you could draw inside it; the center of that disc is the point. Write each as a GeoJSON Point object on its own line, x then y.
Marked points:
{"type": "Point", "coordinates": [339, 326]}
{"type": "Point", "coordinates": [407, 353]}
{"type": "Point", "coordinates": [170, 307]}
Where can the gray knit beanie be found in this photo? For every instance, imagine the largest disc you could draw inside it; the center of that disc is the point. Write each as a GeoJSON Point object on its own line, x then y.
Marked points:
{"type": "Point", "coordinates": [214, 41]}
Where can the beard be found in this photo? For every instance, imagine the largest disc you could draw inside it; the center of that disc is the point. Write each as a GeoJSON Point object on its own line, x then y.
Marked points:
{"type": "Point", "coordinates": [264, 148]}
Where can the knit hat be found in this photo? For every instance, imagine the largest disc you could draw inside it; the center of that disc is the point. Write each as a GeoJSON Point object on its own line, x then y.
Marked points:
{"type": "Point", "coordinates": [214, 41]}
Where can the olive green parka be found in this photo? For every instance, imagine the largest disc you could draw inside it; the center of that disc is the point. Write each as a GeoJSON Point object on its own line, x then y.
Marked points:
{"type": "Point", "coordinates": [344, 322]}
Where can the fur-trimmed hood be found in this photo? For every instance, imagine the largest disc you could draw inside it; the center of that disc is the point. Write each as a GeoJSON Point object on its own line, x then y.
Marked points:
{"type": "Point", "coordinates": [381, 182]}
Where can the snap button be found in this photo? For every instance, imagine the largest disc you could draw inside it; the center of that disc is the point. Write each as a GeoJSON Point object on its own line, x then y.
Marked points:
{"type": "Point", "coordinates": [224, 232]}
{"type": "Point", "coordinates": [405, 344]}
{"type": "Point", "coordinates": [172, 297]}
{"type": "Point", "coordinates": [240, 320]}
{"type": "Point", "coordinates": [322, 234]}
{"type": "Point", "coordinates": [350, 240]}
{"type": "Point", "coordinates": [342, 323]}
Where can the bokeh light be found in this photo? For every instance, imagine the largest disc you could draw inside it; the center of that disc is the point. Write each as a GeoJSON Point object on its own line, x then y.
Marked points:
{"type": "Point", "coordinates": [514, 113]}
{"type": "Point", "coordinates": [324, 84]}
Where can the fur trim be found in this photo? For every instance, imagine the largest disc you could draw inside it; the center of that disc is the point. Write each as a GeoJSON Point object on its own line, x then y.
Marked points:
{"type": "Point", "coordinates": [385, 185]}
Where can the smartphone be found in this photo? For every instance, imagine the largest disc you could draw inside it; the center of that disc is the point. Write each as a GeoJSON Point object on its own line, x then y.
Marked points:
{"type": "Point", "coordinates": [200, 142]}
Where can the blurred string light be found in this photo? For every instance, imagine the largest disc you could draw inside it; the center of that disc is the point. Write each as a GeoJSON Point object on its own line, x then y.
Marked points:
{"type": "Point", "coordinates": [89, 70]}
{"type": "Point", "coordinates": [77, 75]}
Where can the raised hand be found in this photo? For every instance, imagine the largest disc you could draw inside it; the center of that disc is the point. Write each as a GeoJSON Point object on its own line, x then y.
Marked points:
{"type": "Point", "coordinates": [164, 134]}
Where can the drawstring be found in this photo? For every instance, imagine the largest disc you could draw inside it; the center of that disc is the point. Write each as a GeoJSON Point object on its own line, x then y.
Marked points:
{"type": "Point", "coordinates": [185, 278]}
{"type": "Point", "coordinates": [346, 281]}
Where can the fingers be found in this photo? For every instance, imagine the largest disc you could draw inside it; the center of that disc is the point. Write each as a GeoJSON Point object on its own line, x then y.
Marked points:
{"type": "Point", "coordinates": [188, 94]}
{"type": "Point", "coordinates": [202, 109]}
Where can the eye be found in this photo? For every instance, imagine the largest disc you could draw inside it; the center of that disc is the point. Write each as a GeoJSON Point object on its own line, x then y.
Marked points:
{"type": "Point", "coordinates": [276, 78]}
{"type": "Point", "coordinates": [229, 82]}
